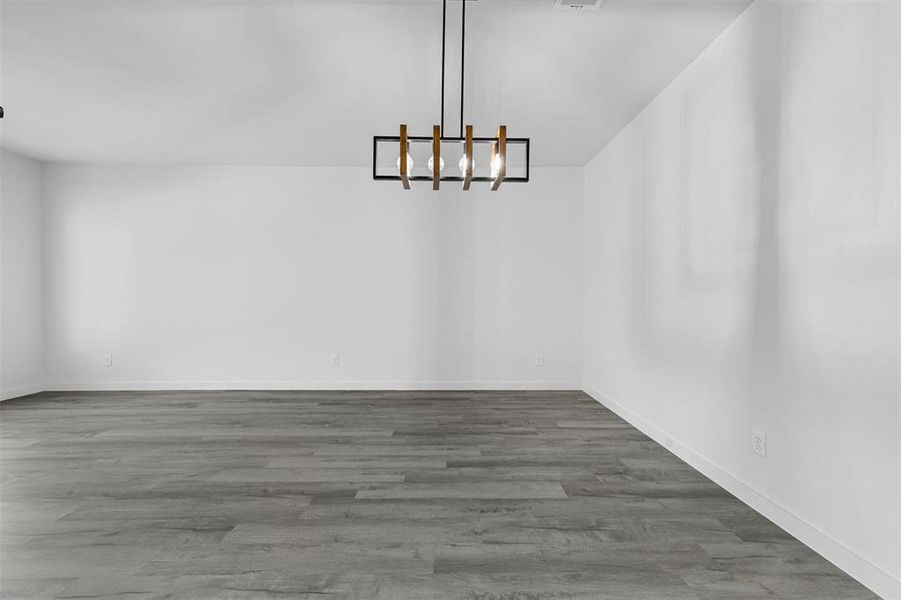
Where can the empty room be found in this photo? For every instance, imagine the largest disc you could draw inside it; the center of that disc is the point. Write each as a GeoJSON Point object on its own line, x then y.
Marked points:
{"type": "Point", "coordinates": [450, 299]}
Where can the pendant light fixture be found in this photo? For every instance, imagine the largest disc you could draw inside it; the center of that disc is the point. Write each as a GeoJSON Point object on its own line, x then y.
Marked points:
{"type": "Point", "coordinates": [401, 166]}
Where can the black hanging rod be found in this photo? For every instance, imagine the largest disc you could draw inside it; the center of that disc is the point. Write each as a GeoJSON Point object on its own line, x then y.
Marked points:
{"type": "Point", "coordinates": [460, 138]}
{"type": "Point", "coordinates": [462, 61]}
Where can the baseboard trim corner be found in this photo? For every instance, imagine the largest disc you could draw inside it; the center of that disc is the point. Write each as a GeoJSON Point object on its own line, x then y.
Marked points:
{"type": "Point", "coordinates": [868, 574]}
{"type": "Point", "coordinates": [25, 390]}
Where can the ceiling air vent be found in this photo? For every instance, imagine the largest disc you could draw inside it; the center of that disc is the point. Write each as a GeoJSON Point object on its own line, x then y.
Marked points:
{"type": "Point", "coordinates": [578, 4]}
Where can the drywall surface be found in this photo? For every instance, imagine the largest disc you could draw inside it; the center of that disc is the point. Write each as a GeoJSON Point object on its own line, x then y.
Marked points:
{"type": "Point", "coordinates": [741, 271]}
{"type": "Point", "coordinates": [254, 277]}
{"type": "Point", "coordinates": [21, 260]}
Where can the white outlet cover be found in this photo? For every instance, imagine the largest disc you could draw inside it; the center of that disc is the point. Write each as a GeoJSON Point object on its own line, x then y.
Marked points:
{"type": "Point", "coordinates": [336, 360]}
{"type": "Point", "coordinates": [539, 360]}
{"type": "Point", "coordinates": [758, 442]}
{"type": "Point", "coordinates": [577, 4]}
{"type": "Point", "coordinates": [108, 360]}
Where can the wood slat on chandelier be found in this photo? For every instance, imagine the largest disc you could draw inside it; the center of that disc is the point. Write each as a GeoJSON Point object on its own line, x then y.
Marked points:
{"type": "Point", "coordinates": [404, 176]}
{"type": "Point", "coordinates": [501, 157]}
{"type": "Point", "coordinates": [436, 157]}
{"type": "Point", "coordinates": [467, 151]}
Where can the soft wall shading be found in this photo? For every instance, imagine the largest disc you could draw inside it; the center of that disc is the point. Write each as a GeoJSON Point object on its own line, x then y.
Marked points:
{"type": "Point", "coordinates": [741, 270]}
{"type": "Point", "coordinates": [256, 276]}
{"type": "Point", "coordinates": [21, 267]}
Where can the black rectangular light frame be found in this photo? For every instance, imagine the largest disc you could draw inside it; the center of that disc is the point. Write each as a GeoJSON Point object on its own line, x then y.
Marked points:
{"type": "Point", "coordinates": [414, 138]}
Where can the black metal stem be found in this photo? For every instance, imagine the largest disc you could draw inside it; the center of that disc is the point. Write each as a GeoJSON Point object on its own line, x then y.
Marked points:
{"type": "Point", "coordinates": [462, 64]}
{"type": "Point", "coordinates": [443, 45]}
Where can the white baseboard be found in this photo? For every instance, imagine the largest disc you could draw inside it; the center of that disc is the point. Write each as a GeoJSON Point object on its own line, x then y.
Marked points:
{"type": "Point", "coordinates": [24, 390]}
{"type": "Point", "coordinates": [872, 576]}
{"type": "Point", "coordinates": [313, 385]}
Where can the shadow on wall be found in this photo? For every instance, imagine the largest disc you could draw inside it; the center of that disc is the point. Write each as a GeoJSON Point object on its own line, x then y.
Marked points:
{"type": "Point", "coordinates": [754, 194]}
{"type": "Point", "coordinates": [770, 69]}
{"type": "Point", "coordinates": [453, 316]}
{"type": "Point", "coordinates": [762, 200]}
{"type": "Point", "coordinates": [715, 231]}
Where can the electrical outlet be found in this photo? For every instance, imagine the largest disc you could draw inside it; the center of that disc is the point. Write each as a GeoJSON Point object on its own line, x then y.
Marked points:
{"type": "Point", "coordinates": [108, 360]}
{"type": "Point", "coordinates": [539, 360]}
{"type": "Point", "coordinates": [335, 360]}
{"type": "Point", "coordinates": [758, 442]}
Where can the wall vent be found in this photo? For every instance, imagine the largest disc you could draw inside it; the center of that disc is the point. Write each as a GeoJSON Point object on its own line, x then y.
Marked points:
{"type": "Point", "coordinates": [578, 4]}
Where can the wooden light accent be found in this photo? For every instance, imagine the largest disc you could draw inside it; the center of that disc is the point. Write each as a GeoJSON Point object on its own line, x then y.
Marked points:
{"type": "Point", "coordinates": [497, 145]}
{"type": "Point", "coordinates": [404, 176]}
{"type": "Point", "coordinates": [436, 157]}
{"type": "Point", "coordinates": [502, 155]}
{"type": "Point", "coordinates": [467, 152]}
{"type": "Point", "coordinates": [492, 151]}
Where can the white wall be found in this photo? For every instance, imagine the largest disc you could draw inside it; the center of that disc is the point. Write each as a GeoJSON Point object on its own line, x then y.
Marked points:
{"type": "Point", "coordinates": [21, 260]}
{"type": "Point", "coordinates": [742, 269]}
{"type": "Point", "coordinates": [196, 277]}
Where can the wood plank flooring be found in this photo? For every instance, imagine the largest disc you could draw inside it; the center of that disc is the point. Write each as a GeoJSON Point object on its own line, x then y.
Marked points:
{"type": "Point", "coordinates": [381, 495]}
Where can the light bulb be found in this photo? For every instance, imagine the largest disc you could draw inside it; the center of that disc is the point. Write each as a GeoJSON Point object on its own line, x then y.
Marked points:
{"type": "Point", "coordinates": [432, 164]}
{"type": "Point", "coordinates": [496, 164]}
{"type": "Point", "coordinates": [409, 165]}
{"type": "Point", "coordinates": [462, 165]}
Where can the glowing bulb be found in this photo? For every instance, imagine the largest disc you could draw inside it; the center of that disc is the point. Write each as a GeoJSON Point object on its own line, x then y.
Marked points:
{"type": "Point", "coordinates": [432, 164]}
{"type": "Point", "coordinates": [462, 164]}
{"type": "Point", "coordinates": [409, 165]}
{"type": "Point", "coordinates": [496, 164]}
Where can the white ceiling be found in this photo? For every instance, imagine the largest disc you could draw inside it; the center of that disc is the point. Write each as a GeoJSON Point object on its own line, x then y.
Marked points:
{"type": "Point", "coordinates": [310, 82]}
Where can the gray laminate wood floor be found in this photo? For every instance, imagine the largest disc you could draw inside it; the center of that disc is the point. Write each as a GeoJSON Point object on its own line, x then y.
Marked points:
{"type": "Point", "coordinates": [339, 495]}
